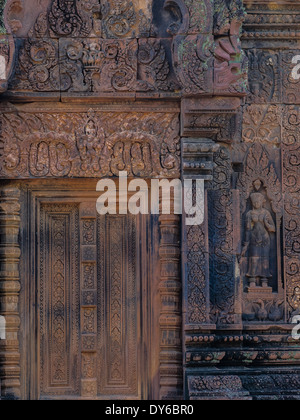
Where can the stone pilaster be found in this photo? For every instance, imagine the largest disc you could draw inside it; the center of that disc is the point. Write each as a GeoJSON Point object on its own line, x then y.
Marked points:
{"type": "Point", "coordinates": [9, 291]}
{"type": "Point", "coordinates": [171, 376]}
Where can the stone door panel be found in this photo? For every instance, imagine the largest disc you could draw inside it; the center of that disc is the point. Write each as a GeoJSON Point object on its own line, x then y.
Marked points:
{"type": "Point", "coordinates": [91, 318]}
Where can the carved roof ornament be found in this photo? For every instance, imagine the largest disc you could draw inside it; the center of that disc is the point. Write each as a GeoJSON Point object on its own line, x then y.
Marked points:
{"type": "Point", "coordinates": [9, 24]}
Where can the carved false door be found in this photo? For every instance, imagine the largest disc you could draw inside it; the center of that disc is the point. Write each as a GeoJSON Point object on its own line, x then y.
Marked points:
{"type": "Point", "coordinates": [92, 282]}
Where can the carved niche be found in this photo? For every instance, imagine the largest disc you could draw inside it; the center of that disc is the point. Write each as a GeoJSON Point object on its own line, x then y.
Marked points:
{"type": "Point", "coordinates": [261, 258]}
{"type": "Point", "coordinates": [96, 144]}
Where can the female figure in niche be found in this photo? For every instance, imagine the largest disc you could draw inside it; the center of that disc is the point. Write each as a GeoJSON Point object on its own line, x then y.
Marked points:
{"type": "Point", "coordinates": [259, 225]}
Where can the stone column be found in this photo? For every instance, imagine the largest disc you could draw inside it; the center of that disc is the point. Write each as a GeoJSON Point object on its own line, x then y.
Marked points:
{"type": "Point", "coordinates": [9, 291]}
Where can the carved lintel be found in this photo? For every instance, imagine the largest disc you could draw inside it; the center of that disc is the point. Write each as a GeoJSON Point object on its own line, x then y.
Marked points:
{"type": "Point", "coordinates": [9, 290]}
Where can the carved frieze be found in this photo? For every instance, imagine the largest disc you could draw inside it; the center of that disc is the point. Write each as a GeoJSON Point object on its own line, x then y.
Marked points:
{"type": "Point", "coordinates": [90, 145]}
{"type": "Point", "coordinates": [88, 47]}
{"type": "Point", "coordinates": [277, 26]}
{"type": "Point", "coordinates": [264, 385]}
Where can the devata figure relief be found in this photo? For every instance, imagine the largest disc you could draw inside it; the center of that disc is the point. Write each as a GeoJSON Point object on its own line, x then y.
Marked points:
{"type": "Point", "coordinates": [259, 225]}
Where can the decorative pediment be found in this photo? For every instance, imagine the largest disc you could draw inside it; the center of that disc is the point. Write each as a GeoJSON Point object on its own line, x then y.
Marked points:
{"type": "Point", "coordinates": [132, 48]}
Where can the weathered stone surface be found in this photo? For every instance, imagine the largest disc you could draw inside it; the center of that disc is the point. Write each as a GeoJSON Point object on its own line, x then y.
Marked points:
{"type": "Point", "coordinates": [67, 45]}
{"type": "Point", "coordinates": [137, 306]}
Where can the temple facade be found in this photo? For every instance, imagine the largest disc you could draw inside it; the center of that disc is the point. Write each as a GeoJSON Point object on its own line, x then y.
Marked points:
{"type": "Point", "coordinates": [147, 306]}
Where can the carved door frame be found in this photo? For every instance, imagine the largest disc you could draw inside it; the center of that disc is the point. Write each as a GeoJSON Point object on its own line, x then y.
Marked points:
{"type": "Point", "coordinates": [33, 193]}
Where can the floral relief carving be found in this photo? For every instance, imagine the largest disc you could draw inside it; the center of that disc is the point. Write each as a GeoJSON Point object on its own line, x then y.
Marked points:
{"type": "Point", "coordinates": [260, 124]}
{"type": "Point", "coordinates": [98, 65]}
{"type": "Point", "coordinates": [150, 147]}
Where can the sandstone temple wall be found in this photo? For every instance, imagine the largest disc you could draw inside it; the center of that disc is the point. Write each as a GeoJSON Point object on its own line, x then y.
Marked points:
{"type": "Point", "coordinates": [174, 89]}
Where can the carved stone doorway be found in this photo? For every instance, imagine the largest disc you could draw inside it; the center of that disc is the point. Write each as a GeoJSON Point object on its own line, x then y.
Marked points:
{"type": "Point", "coordinates": [91, 292]}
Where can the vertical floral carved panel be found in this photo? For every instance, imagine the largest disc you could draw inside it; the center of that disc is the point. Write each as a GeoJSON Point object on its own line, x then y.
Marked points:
{"type": "Point", "coordinates": [291, 185]}
{"type": "Point", "coordinates": [223, 278]}
{"type": "Point", "coordinates": [59, 299]}
{"type": "Point", "coordinates": [119, 312]}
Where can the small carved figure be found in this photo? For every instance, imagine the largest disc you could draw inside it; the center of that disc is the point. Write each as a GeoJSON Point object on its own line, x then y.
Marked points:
{"type": "Point", "coordinates": [259, 225]}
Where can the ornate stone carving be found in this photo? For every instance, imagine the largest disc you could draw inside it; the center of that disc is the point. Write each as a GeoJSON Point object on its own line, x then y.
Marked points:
{"type": "Point", "coordinates": [98, 65]}
{"type": "Point", "coordinates": [217, 388]}
{"type": "Point", "coordinates": [223, 278]}
{"type": "Point", "coordinates": [264, 76]}
{"type": "Point", "coordinates": [126, 19]}
{"type": "Point", "coordinates": [38, 66]}
{"type": "Point", "coordinates": [9, 23]}
{"type": "Point", "coordinates": [90, 61]}
{"type": "Point", "coordinates": [260, 124]}
{"type": "Point", "coordinates": [118, 370]}
{"type": "Point", "coordinates": [262, 210]}
{"type": "Point", "coordinates": [71, 18]}
{"type": "Point", "coordinates": [231, 67]}
{"type": "Point", "coordinates": [193, 63]}
{"type": "Point", "coordinates": [259, 225]}
{"type": "Point", "coordinates": [59, 335]}
{"type": "Point", "coordinates": [212, 118]}
{"type": "Point", "coordinates": [259, 170]}
{"type": "Point", "coordinates": [245, 386]}
{"type": "Point", "coordinates": [198, 156]}
{"type": "Point", "coordinates": [290, 86]}
{"type": "Point", "coordinates": [228, 16]}
{"type": "Point", "coordinates": [198, 296]}
{"type": "Point", "coordinates": [291, 185]}
{"type": "Point", "coordinates": [194, 17]}
{"type": "Point", "coordinates": [222, 169]}
{"type": "Point", "coordinates": [9, 291]}
{"type": "Point", "coordinates": [197, 163]}
{"type": "Point", "coordinates": [170, 320]}
{"type": "Point", "coordinates": [43, 145]}
{"type": "Point", "coordinates": [154, 69]}
{"type": "Point", "coordinates": [273, 27]}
